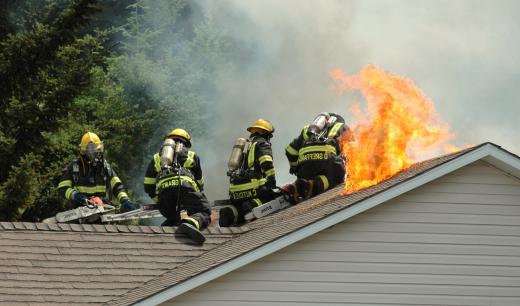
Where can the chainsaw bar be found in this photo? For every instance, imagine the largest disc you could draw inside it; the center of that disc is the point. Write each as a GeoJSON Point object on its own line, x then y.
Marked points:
{"type": "Point", "coordinates": [267, 208]}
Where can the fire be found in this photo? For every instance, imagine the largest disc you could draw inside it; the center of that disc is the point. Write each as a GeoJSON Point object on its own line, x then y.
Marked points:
{"type": "Point", "coordinates": [400, 126]}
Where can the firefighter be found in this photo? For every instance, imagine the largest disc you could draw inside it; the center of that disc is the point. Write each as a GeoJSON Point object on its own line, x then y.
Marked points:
{"type": "Point", "coordinates": [253, 183]}
{"type": "Point", "coordinates": [90, 175]}
{"type": "Point", "coordinates": [174, 179]}
{"type": "Point", "coordinates": [315, 157]}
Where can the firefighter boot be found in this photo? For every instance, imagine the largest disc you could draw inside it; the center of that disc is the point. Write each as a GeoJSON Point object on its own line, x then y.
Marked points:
{"type": "Point", "coordinates": [305, 187]}
{"type": "Point", "coordinates": [227, 216]}
{"type": "Point", "coordinates": [191, 231]}
{"type": "Point", "coordinates": [290, 193]}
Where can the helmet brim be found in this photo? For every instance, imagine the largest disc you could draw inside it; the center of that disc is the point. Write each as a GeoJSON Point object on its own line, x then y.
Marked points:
{"type": "Point", "coordinates": [254, 128]}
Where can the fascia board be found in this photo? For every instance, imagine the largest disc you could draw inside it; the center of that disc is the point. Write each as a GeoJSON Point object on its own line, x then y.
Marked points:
{"type": "Point", "coordinates": [322, 224]}
{"type": "Point", "coordinates": [505, 161]}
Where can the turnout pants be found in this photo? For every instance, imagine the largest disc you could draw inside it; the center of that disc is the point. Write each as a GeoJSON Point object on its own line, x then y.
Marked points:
{"type": "Point", "coordinates": [327, 176]}
{"type": "Point", "coordinates": [173, 200]}
{"type": "Point", "coordinates": [233, 214]}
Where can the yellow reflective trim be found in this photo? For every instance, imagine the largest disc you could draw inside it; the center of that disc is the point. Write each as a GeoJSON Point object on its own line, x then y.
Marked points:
{"type": "Point", "coordinates": [264, 159]}
{"type": "Point", "coordinates": [65, 183]}
{"type": "Point", "coordinates": [121, 195]}
{"type": "Point", "coordinates": [92, 189]}
{"type": "Point", "coordinates": [242, 187]}
{"type": "Point", "coordinates": [323, 148]}
{"type": "Point", "coordinates": [190, 160]}
{"type": "Point", "coordinates": [257, 202]}
{"type": "Point", "coordinates": [291, 150]}
{"type": "Point", "coordinates": [68, 193]}
{"type": "Point", "coordinates": [269, 172]}
{"type": "Point", "coordinates": [293, 163]}
{"type": "Point", "coordinates": [255, 183]}
{"type": "Point", "coordinates": [325, 182]}
{"type": "Point", "coordinates": [201, 181]}
{"type": "Point", "coordinates": [195, 222]}
{"type": "Point", "coordinates": [335, 129]}
{"type": "Point", "coordinates": [114, 181]}
{"type": "Point", "coordinates": [149, 180]}
{"type": "Point", "coordinates": [182, 179]}
{"type": "Point", "coordinates": [235, 212]}
{"type": "Point", "coordinates": [251, 156]}
{"type": "Point", "coordinates": [304, 133]}
{"type": "Point", "coordinates": [157, 162]}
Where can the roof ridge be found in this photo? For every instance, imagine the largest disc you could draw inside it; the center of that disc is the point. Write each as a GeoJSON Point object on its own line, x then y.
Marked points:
{"type": "Point", "coordinates": [287, 221]}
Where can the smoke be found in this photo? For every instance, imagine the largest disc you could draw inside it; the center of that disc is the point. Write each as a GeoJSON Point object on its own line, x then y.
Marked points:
{"type": "Point", "coordinates": [462, 54]}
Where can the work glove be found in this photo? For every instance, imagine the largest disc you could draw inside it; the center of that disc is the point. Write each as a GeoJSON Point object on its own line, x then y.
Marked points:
{"type": "Point", "coordinates": [79, 198]}
{"type": "Point", "coordinates": [127, 205]}
{"type": "Point", "coordinates": [270, 183]}
{"type": "Point", "coordinates": [292, 170]}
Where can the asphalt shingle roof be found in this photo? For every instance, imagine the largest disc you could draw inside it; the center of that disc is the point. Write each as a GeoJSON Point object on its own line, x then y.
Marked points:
{"type": "Point", "coordinates": [121, 265]}
{"type": "Point", "coordinates": [273, 227]}
{"type": "Point", "coordinates": [83, 264]}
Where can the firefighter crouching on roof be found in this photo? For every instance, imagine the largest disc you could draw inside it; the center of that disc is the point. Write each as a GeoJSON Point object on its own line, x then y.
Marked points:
{"type": "Point", "coordinates": [315, 157]}
{"type": "Point", "coordinates": [252, 178]}
{"type": "Point", "coordinates": [174, 179]}
{"type": "Point", "coordinates": [90, 175]}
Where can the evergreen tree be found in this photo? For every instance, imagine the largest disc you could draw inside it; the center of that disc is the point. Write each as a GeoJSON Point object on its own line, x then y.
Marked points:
{"type": "Point", "coordinates": [43, 69]}
{"type": "Point", "coordinates": [60, 80]}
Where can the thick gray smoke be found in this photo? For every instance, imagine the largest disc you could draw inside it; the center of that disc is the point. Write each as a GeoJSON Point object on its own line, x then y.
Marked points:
{"type": "Point", "coordinates": [462, 54]}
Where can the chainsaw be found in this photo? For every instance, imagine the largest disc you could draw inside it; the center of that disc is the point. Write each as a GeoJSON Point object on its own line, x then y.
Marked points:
{"type": "Point", "coordinates": [268, 208]}
{"type": "Point", "coordinates": [90, 212]}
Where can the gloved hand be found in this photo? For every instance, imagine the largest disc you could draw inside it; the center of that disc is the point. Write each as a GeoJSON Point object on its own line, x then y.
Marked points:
{"type": "Point", "coordinates": [267, 192]}
{"type": "Point", "coordinates": [292, 170]}
{"type": "Point", "coordinates": [127, 205]}
{"type": "Point", "coordinates": [271, 183]}
{"type": "Point", "coordinates": [79, 198]}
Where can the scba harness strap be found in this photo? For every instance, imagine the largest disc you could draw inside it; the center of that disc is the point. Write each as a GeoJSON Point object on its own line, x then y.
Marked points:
{"type": "Point", "coordinates": [177, 175]}
{"type": "Point", "coordinates": [245, 183]}
{"type": "Point", "coordinates": [106, 171]}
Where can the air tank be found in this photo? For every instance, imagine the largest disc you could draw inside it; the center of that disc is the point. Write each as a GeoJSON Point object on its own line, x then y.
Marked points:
{"type": "Point", "coordinates": [178, 147]}
{"type": "Point", "coordinates": [236, 154]}
{"type": "Point", "coordinates": [167, 152]}
{"type": "Point", "coordinates": [319, 123]}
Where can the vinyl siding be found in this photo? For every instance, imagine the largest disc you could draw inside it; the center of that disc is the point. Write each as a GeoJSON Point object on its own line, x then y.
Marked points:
{"type": "Point", "coordinates": [454, 241]}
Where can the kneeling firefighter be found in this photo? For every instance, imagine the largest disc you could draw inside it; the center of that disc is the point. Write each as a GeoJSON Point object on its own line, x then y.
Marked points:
{"type": "Point", "coordinates": [251, 173]}
{"type": "Point", "coordinates": [174, 179]}
{"type": "Point", "coordinates": [315, 157]}
{"type": "Point", "coordinates": [90, 176]}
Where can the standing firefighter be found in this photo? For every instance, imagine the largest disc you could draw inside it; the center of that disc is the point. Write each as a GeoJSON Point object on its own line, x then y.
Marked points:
{"type": "Point", "coordinates": [90, 176]}
{"type": "Point", "coordinates": [251, 172]}
{"type": "Point", "coordinates": [315, 157]}
{"type": "Point", "coordinates": [174, 177]}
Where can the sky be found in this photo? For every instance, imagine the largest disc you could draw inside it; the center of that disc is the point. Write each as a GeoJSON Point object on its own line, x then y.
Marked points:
{"type": "Point", "coordinates": [462, 54]}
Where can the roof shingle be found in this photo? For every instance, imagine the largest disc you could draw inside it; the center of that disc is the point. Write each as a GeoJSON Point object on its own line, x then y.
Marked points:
{"type": "Point", "coordinates": [121, 264]}
{"type": "Point", "coordinates": [71, 263]}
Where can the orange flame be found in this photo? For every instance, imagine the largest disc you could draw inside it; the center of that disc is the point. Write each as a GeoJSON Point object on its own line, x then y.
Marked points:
{"type": "Point", "coordinates": [401, 126]}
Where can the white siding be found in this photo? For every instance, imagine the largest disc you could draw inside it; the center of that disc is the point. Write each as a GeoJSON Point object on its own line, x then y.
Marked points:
{"type": "Point", "coordinates": [455, 241]}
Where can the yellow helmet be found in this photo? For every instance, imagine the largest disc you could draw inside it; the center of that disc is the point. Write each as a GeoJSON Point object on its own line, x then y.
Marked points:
{"type": "Point", "coordinates": [182, 135]}
{"type": "Point", "coordinates": [261, 126]}
{"type": "Point", "coordinates": [90, 144]}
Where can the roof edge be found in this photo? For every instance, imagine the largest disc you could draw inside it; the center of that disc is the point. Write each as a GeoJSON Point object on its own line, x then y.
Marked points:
{"type": "Point", "coordinates": [109, 228]}
{"type": "Point", "coordinates": [504, 159]}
